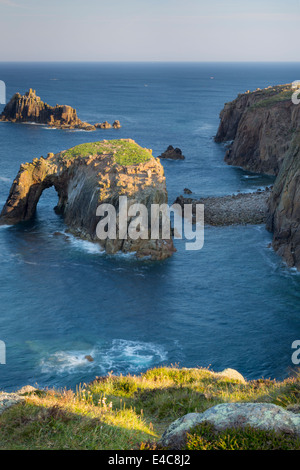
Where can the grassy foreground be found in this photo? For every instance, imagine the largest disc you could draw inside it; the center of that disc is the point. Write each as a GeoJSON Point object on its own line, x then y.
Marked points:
{"type": "Point", "coordinates": [132, 412]}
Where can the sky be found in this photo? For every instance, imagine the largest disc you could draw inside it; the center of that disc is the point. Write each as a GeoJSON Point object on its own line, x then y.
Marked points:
{"type": "Point", "coordinates": [149, 30]}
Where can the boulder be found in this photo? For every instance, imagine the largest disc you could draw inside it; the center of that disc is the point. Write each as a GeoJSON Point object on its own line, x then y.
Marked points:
{"type": "Point", "coordinates": [9, 399]}
{"type": "Point", "coordinates": [263, 416]}
{"type": "Point", "coordinates": [231, 374]}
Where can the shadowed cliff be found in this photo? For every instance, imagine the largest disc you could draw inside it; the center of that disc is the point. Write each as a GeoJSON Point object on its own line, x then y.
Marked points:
{"type": "Point", "coordinates": [264, 130]}
{"type": "Point", "coordinates": [260, 128]}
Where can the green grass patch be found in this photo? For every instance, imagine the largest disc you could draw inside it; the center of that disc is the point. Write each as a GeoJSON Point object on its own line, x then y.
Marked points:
{"type": "Point", "coordinates": [124, 152]}
{"type": "Point", "coordinates": [283, 95]}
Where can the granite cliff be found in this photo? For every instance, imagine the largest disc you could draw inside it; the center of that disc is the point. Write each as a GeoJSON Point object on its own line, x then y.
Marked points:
{"type": "Point", "coordinates": [259, 127]}
{"type": "Point", "coordinates": [283, 217]}
{"type": "Point", "coordinates": [87, 176]}
{"type": "Point", "coordinates": [30, 108]}
{"type": "Point", "coordinates": [264, 130]}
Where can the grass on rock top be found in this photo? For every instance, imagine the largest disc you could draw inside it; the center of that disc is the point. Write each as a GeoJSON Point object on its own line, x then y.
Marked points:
{"type": "Point", "coordinates": [124, 152]}
{"type": "Point", "coordinates": [283, 95]}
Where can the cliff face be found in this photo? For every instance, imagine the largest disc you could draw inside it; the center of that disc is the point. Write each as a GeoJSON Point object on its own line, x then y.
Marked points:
{"type": "Point", "coordinates": [284, 207]}
{"type": "Point", "coordinates": [261, 125]}
{"type": "Point", "coordinates": [30, 108]}
{"type": "Point", "coordinates": [87, 176]}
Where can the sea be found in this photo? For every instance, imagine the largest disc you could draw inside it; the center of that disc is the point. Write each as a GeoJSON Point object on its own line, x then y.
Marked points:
{"type": "Point", "coordinates": [232, 304]}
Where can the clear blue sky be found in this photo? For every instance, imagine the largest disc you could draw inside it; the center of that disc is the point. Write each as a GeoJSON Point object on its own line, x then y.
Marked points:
{"type": "Point", "coordinates": [149, 30]}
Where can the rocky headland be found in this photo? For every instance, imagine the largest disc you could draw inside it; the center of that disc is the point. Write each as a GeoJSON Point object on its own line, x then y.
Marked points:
{"type": "Point", "coordinates": [262, 128]}
{"type": "Point", "coordinates": [259, 127]}
{"type": "Point", "coordinates": [30, 108]}
{"type": "Point", "coordinates": [87, 176]}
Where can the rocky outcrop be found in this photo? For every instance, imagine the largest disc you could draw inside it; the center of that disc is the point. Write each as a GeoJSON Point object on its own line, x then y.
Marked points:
{"type": "Point", "coordinates": [87, 176]}
{"type": "Point", "coordinates": [10, 399]}
{"type": "Point", "coordinates": [259, 127]}
{"type": "Point", "coordinates": [263, 416]}
{"type": "Point", "coordinates": [103, 125]}
{"type": "Point", "coordinates": [116, 124]}
{"type": "Point", "coordinates": [172, 154]}
{"type": "Point", "coordinates": [284, 207]}
{"type": "Point", "coordinates": [30, 108]}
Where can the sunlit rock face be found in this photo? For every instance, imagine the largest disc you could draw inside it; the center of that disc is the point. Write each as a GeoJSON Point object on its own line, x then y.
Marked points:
{"type": "Point", "coordinates": [87, 176]}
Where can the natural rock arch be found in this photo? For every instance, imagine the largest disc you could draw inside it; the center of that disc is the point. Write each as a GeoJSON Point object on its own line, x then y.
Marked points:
{"type": "Point", "coordinates": [85, 177]}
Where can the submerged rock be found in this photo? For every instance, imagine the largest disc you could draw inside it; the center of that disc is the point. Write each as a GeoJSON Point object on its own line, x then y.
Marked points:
{"type": "Point", "coordinates": [87, 176]}
{"type": "Point", "coordinates": [263, 416]}
{"type": "Point", "coordinates": [187, 191]}
{"type": "Point", "coordinates": [89, 358]}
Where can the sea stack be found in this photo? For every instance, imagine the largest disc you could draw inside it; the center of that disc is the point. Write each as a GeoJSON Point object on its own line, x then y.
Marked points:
{"type": "Point", "coordinates": [87, 176]}
{"type": "Point", "coordinates": [30, 108]}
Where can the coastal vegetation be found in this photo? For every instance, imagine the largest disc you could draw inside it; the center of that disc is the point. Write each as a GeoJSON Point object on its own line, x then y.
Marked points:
{"type": "Point", "coordinates": [132, 412]}
{"type": "Point", "coordinates": [124, 152]}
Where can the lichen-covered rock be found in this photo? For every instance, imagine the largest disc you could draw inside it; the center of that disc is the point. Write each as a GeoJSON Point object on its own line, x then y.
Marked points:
{"type": "Point", "coordinates": [87, 176]}
{"type": "Point", "coordinates": [260, 127]}
{"type": "Point", "coordinates": [9, 399]}
{"type": "Point", "coordinates": [263, 416]}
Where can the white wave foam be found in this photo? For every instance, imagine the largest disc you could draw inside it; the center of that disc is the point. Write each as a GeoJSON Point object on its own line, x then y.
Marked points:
{"type": "Point", "coordinates": [121, 355]}
{"type": "Point", "coordinates": [83, 245]}
{"type": "Point", "coordinates": [88, 247]}
{"type": "Point", "coordinates": [65, 361]}
{"type": "Point", "coordinates": [2, 178]}
{"type": "Point", "coordinates": [252, 177]}
{"type": "Point", "coordinates": [136, 353]}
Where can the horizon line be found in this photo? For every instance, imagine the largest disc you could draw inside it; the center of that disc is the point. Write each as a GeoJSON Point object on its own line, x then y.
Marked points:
{"type": "Point", "coordinates": [151, 61]}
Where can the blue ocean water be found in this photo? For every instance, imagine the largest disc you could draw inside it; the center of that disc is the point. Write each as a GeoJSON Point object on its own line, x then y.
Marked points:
{"type": "Point", "coordinates": [232, 304]}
